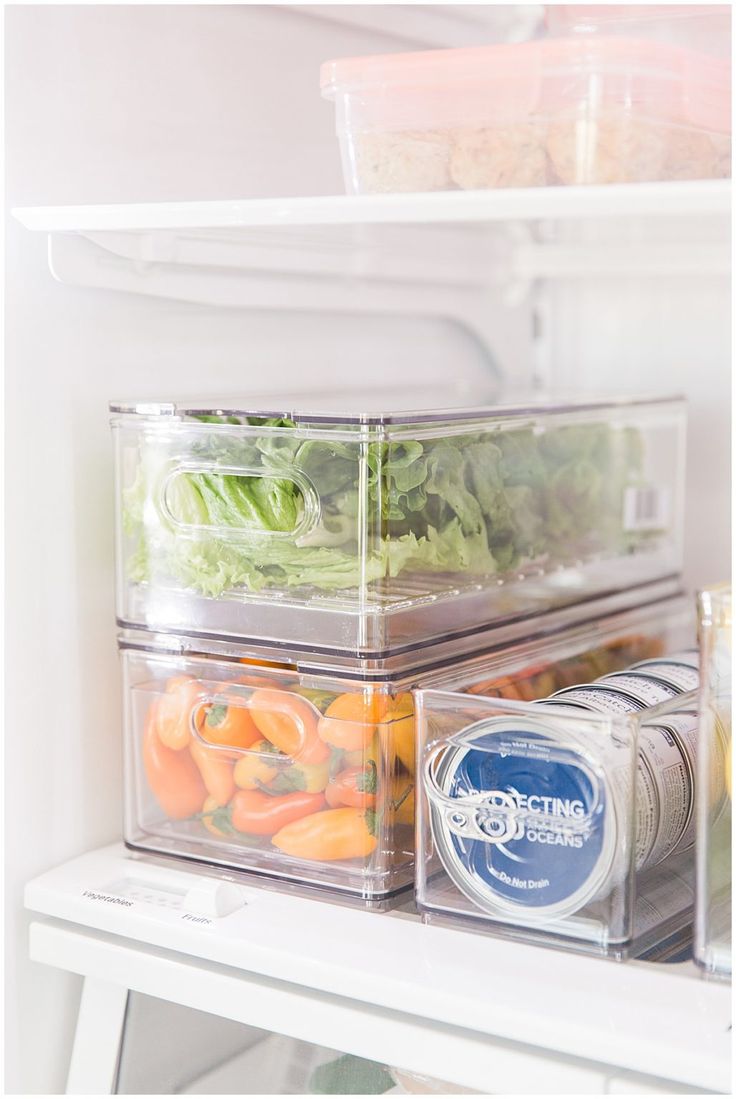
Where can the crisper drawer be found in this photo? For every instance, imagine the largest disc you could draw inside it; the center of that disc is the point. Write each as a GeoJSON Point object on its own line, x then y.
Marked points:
{"type": "Point", "coordinates": [308, 775]}
{"type": "Point", "coordinates": [372, 532]}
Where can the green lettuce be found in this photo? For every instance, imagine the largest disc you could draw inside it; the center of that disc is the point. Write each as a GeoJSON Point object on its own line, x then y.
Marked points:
{"type": "Point", "coordinates": [474, 504]}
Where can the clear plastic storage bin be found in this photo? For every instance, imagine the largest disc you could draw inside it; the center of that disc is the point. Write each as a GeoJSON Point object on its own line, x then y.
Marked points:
{"type": "Point", "coordinates": [713, 923]}
{"type": "Point", "coordinates": [372, 532]}
{"type": "Point", "coordinates": [576, 110]}
{"type": "Point", "coordinates": [568, 820]}
{"type": "Point", "coordinates": [306, 773]}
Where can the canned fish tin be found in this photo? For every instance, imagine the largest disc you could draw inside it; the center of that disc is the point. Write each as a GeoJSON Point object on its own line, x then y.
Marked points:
{"type": "Point", "coordinates": [665, 789]}
{"type": "Point", "coordinates": [681, 676]}
{"type": "Point", "coordinates": [522, 823]}
{"type": "Point", "coordinates": [689, 658]}
{"type": "Point", "coordinates": [640, 688]}
{"type": "Point", "coordinates": [598, 699]}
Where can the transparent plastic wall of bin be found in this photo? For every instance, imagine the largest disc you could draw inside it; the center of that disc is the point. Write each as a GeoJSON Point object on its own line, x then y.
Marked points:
{"type": "Point", "coordinates": [372, 532]}
{"type": "Point", "coordinates": [713, 922]}
{"type": "Point", "coordinates": [248, 768]}
{"type": "Point", "coordinates": [585, 109]}
{"type": "Point", "coordinates": [305, 774]}
{"type": "Point", "coordinates": [540, 822]}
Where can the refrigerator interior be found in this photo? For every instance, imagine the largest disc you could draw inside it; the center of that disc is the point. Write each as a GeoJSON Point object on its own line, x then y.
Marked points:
{"type": "Point", "coordinates": [137, 104]}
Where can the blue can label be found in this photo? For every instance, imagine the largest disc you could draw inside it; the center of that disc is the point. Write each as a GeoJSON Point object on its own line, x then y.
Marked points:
{"type": "Point", "coordinates": [544, 840]}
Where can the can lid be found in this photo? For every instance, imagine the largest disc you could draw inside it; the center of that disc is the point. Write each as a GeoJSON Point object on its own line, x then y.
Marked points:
{"type": "Point", "coordinates": [525, 826]}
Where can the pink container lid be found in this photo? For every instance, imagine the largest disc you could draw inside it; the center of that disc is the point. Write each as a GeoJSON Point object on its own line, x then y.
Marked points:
{"type": "Point", "coordinates": [659, 79]}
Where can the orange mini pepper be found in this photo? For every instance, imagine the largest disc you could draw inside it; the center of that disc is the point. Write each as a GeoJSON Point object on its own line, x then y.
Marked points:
{"type": "Point", "coordinates": [228, 722]}
{"type": "Point", "coordinates": [330, 835]}
{"type": "Point", "coordinates": [262, 814]}
{"type": "Point", "coordinates": [215, 819]}
{"type": "Point", "coordinates": [354, 786]}
{"type": "Point", "coordinates": [290, 723]}
{"type": "Point", "coordinates": [172, 776]}
{"type": "Point", "coordinates": [216, 769]}
{"type": "Point", "coordinates": [181, 702]}
{"type": "Point", "coordinates": [350, 721]}
{"type": "Point", "coordinates": [256, 767]}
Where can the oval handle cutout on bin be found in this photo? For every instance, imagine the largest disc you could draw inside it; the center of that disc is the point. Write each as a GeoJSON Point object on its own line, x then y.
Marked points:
{"type": "Point", "coordinates": [286, 720]}
{"type": "Point", "coordinates": [307, 517]}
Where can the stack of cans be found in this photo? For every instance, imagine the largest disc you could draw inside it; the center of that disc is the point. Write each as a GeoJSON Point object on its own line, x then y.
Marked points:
{"type": "Point", "coordinates": [550, 815]}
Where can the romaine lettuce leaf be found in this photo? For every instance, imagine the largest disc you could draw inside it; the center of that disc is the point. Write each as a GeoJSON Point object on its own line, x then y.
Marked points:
{"type": "Point", "coordinates": [476, 504]}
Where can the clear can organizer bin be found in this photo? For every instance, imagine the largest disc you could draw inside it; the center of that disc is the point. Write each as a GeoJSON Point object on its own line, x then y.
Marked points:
{"type": "Point", "coordinates": [577, 110]}
{"type": "Point", "coordinates": [305, 773]}
{"type": "Point", "coordinates": [366, 533]}
{"type": "Point", "coordinates": [713, 919]}
{"type": "Point", "coordinates": [544, 820]}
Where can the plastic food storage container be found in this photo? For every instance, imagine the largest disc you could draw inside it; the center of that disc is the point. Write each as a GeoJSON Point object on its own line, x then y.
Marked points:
{"type": "Point", "coordinates": [702, 27]}
{"type": "Point", "coordinates": [305, 773]}
{"type": "Point", "coordinates": [576, 110]}
{"type": "Point", "coordinates": [713, 917]}
{"type": "Point", "coordinates": [566, 820]}
{"type": "Point", "coordinates": [368, 532]}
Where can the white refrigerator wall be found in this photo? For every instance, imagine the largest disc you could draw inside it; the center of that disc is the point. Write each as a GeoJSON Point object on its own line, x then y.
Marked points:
{"type": "Point", "coordinates": [120, 104]}
{"type": "Point", "coordinates": [136, 103]}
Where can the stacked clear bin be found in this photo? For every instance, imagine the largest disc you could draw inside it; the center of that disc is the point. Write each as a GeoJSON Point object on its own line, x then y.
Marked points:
{"type": "Point", "coordinates": [537, 822]}
{"type": "Point", "coordinates": [239, 763]}
{"type": "Point", "coordinates": [286, 577]}
{"type": "Point", "coordinates": [713, 922]}
{"type": "Point", "coordinates": [371, 533]}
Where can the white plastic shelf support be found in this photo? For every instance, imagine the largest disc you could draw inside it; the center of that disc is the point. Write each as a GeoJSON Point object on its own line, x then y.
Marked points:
{"type": "Point", "coordinates": [429, 253]}
{"type": "Point", "coordinates": [474, 258]}
{"type": "Point", "coordinates": [460, 1006]}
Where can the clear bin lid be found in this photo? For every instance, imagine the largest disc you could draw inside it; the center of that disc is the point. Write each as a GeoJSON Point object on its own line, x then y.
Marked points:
{"type": "Point", "coordinates": [409, 406]}
{"type": "Point", "coordinates": [592, 618]}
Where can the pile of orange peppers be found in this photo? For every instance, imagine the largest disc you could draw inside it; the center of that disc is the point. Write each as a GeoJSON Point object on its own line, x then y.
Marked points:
{"type": "Point", "coordinates": [314, 773]}
{"type": "Point", "coordinates": [540, 680]}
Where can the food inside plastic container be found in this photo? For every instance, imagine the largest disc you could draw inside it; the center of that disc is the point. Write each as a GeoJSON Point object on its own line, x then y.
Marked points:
{"type": "Point", "coordinates": [307, 772]}
{"type": "Point", "coordinates": [362, 533]}
{"type": "Point", "coordinates": [264, 772]}
{"type": "Point", "coordinates": [576, 110]}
